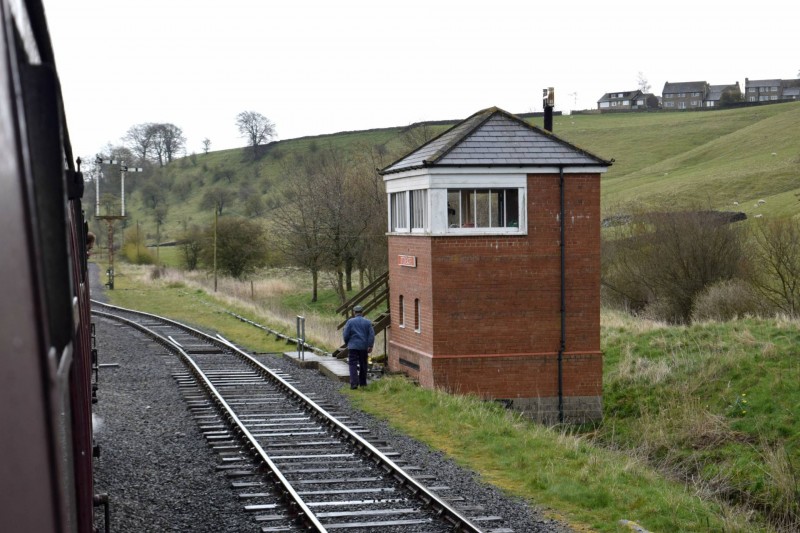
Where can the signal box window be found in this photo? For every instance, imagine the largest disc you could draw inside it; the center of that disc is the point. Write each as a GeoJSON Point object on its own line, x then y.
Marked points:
{"type": "Point", "coordinates": [483, 208]}
{"type": "Point", "coordinates": [409, 210]}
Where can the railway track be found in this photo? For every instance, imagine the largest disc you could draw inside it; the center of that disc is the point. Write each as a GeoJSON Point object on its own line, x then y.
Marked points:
{"type": "Point", "coordinates": [297, 466]}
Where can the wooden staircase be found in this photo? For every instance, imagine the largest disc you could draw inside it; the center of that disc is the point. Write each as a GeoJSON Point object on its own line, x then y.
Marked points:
{"type": "Point", "coordinates": [374, 296]}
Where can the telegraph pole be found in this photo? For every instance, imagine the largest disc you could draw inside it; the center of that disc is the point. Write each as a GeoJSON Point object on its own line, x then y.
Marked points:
{"type": "Point", "coordinates": [216, 210]}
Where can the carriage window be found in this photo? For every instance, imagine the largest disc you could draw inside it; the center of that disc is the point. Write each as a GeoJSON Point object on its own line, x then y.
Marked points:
{"type": "Point", "coordinates": [483, 208]}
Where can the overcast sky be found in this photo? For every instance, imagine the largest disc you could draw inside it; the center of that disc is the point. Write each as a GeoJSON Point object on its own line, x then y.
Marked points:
{"type": "Point", "coordinates": [316, 67]}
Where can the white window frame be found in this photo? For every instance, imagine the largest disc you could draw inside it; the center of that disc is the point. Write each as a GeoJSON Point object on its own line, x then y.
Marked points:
{"type": "Point", "coordinates": [418, 210]}
{"type": "Point", "coordinates": [408, 211]}
{"type": "Point", "coordinates": [398, 212]}
{"type": "Point", "coordinates": [462, 226]}
{"type": "Point", "coordinates": [417, 316]}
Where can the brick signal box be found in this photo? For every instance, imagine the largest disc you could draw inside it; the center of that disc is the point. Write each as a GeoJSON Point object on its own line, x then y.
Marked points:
{"type": "Point", "coordinates": [494, 267]}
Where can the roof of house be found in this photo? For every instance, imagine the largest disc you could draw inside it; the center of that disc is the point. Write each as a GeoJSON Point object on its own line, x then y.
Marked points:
{"type": "Point", "coordinates": [715, 91]}
{"type": "Point", "coordinates": [762, 83]}
{"type": "Point", "coordinates": [684, 87]}
{"type": "Point", "coordinates": [493, 137]}
{"type": "Point", "coordinates": [625, 95]}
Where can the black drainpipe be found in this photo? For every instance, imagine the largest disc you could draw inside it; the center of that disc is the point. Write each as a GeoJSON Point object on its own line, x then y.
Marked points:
{"type": "Point", "coordinates": [562, 345]}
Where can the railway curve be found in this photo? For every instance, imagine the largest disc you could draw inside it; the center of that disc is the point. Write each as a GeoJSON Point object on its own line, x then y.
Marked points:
{"type": "Point", "coordinates": [297, 466]}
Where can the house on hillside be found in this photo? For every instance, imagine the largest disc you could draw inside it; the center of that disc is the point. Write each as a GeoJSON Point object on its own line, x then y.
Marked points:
{"type": "Point", "coordinates": [684, 95]}
{"type": "Point", "coordinates": [720, 95]}
{"type": "Point", "coordinates": [627, 100]}
{"type": "Point", "coordinates": [771, 90]}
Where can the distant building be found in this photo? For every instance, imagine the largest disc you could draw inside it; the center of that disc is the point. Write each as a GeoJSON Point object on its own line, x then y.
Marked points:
{"type": "Point", "coordinates": [771, 90]}
{"type": "Point", "coordinates": [626, 101]}
{"type": "Point", "coordinates": [720, 95]}
{"type": "Point", "coordinates": [684, 95]}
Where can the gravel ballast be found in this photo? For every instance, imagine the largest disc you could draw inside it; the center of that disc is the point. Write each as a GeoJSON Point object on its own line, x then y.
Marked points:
{"type": "Point", "coordinates": [161, 475]}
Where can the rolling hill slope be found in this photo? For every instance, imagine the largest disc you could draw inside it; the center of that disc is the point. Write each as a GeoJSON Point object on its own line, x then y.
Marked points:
{"type": "Point", "coordinates": [662, 160]}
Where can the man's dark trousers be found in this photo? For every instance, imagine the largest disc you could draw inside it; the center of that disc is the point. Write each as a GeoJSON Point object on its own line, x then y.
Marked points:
{"type": "Point", "coordinates": [358, 368]}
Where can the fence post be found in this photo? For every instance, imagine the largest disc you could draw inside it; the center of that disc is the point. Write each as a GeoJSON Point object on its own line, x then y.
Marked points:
{"type": "Point", "coordinates": [301, 337]}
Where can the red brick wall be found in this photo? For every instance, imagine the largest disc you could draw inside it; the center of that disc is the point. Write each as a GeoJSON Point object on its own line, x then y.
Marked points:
{"type": "Point", "coordinates": [498, 298]}
{"type": "Point", "coordinates": [525, 376]}
{"type": "Point", "coordinates": [411, 283]}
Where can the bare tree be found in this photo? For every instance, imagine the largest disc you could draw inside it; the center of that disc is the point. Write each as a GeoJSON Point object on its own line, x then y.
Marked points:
{"type": "Point", "coordinates": [667, 259]}
{"type": "Point", "coordinates": [216, 198]}
{"type": "Point", "coordinates": [206, 145]}
{"type": "Point", "coordinates": [776, 265]}
{"type": "Point", "coordinates": [168, 142]}
{"type": "Point", "coordinates": [256, 128]}
{"type": "Point", "coordinates": [644, 85]}
{"type": "Point", "coordinates": [139, 139]}
{"type": "Point", "coordinates": [296, 221]}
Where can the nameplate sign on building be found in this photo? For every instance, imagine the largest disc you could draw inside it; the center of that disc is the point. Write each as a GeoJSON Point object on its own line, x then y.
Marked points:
{"type": "Point", "coordinates": [407, 261]}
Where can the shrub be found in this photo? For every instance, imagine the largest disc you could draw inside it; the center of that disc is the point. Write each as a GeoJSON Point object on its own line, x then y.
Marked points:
{"type": "Point", "coordinates": [728, 300]}
{"type": "Point", "coordinates": [158, 272]}
{"type": "Point", "coordinates": [138, 254]}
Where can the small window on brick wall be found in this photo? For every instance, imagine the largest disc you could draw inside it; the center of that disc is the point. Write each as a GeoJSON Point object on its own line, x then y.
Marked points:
{"type": "Point", "coordinates": [416, 315]}
{"type": "Point", "coordinates": [402, 315]}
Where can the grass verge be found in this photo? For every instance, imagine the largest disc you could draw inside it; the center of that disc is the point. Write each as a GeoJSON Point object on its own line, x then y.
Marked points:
{"type": "Point", "coordinates": [588, 485]}
{"type": "Point", "coordinates": [694, 416]}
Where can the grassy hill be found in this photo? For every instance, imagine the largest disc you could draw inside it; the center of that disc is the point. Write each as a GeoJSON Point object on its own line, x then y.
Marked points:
{"type": "Point", "coordinates": [717, 158]}
{"type": "Point", "coordinates": [662, 160]}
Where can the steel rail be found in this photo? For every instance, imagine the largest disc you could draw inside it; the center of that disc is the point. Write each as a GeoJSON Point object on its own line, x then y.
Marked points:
{"type": "Point", "coordinates": [459, 522]}
{"type": "Point", "coordinates": [296, 507]}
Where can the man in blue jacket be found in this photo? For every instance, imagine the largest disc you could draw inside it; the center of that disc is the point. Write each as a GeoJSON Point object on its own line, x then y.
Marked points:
{"type": "Point", "coordinates": [359, 336]}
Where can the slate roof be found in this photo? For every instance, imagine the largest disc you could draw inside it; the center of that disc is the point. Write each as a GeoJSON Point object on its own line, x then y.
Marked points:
{"type": "Point", "coordinates": [684, 87]}
{"type": "Point", "coordinates": [493, 137]}
{"type": "Point", "coordinates": [715, 91]}
{"type": "Point", "coordinates": [763, 83]}
{"type": "Point", "coordinates": [626, 95]}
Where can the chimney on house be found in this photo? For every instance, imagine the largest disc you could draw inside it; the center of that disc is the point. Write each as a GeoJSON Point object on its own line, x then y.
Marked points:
{"type": "Point", "coordinates": [548, 102]}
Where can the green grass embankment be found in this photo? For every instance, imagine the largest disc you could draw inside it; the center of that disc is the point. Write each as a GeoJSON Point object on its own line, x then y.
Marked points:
{"type": "Point", "coordinates": [715, 403]}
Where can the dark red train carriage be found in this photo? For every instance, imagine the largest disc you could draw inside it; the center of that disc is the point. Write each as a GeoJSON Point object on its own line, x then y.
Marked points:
{"type": "Point", "coordinates": [46, 364]}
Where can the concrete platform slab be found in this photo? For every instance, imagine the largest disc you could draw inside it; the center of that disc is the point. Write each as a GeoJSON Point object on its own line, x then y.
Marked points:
{"type": "Point", "coordinates": [333, 368]}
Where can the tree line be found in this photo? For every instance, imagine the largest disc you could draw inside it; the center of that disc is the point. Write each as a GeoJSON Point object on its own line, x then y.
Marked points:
{"type": "Point", "coordinates": [325, 214]}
